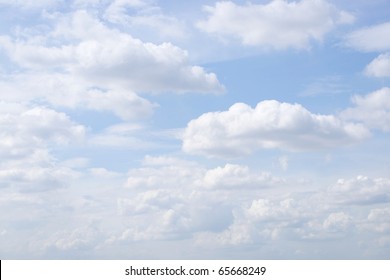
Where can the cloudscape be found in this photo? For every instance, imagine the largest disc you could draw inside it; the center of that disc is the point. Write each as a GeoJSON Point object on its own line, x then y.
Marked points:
{"type": "Point", "coordinates": [147, 129]}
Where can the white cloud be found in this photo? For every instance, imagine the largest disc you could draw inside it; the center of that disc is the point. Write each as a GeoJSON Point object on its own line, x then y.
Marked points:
{"type": "Point", "coordinates": [31, 4]}
{"type": "Point", "coordinates": [300, 215]}
{"type": "Point", "coordinates": [235, 210]}
{"type": "Point", "coordinates": [25, 130]}
{"type": "Point", "coordinates": [146, 15]}
{"type": "Point", "coordinates": [337, 222]}
{"type": "Point", "coordinates": [64, 90]}
{"type": "Point", "coordinates": [361, 190]}
{"type": "Point", "coordinates": [108, 58]}
{"type": "Point", "coordinates": [234, 176]}
{"type": "Point", "coordinates": [29, 134]}
{"type": "Point", "coordinates": [372, 109]}
{"type": "Point", "coordinates": [183, 197]}
{"type": "Point", "coordinates": [278, 24]}
{"type": "Point", "coordinates": [242, 130]}
{"type": "Point", "coordinates": [379, 67]}
{"type": "Point", "coordinates": [370, 39]}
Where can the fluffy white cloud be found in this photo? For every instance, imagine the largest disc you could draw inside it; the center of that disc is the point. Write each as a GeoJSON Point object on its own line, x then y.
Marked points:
{"type": "Point", "coordinates": [28, 135]}
{"type": "Point", "coordinates": [360, 190]}
{"type": "Point", "coordinates": [183, 197]}
{"type": "Point", "coordinates": [63, 90]}
{"type": "Point", "coordinates": [25, 130]}
{"type": "Point", "coordinates": [235, 208]}
{"type": "Point", "coordinates": [241, 130]}
{"type": "Point", "coordinates": [334, 213]}
{"type": "Point", "coordinates": [233, 176]}
{"type": "Point", "coordinates": [278, 24]}
{"type": "Point", "coordinates": [107, 58]}
{"type": "Point", "coordinates": [374, 38]}
{"type": "Point", "coordinates": [372, 109]}
{"type": "Point", "coordinates": [380, 66]}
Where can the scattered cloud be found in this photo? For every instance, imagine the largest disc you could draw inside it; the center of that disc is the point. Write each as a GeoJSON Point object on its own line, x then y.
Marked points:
{"type": "Point", "coordinates": [145, 15]}
{"type": "Point", "coordinates": [106, 58]}
{"type": "Point", "coordinates": [370, 39]}
{"type": "Point", "coordinates": [372, 109]}
{"type": "Point", "coordinates": [379, 67]}
{"type": "Point", "coordinates": [242, 130]}
{"type": "Point", "coordinates": [79, 83]}
{"type": "Point", "coordinates": [25, 130]}
{"type": "Point", "coordinates": [277, 24]}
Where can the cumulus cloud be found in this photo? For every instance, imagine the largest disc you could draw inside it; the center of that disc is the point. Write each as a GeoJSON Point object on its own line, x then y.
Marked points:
{"type": "Point", "coordinates": [237, 207]}
{"type": "Point", "coordinates": [372, 109]}
{"type": "Point", "coordinates": [63, 90]}
{"type": "Point", "coordinates": [28, 135]}
{"type": "Point", "coordinates": [25, 130]}
{"type": "Point", "coordinates": [360, 190]}
{"type": "Point", "coordinates": [242, 130]}
{"type": "Point", "coordinates": [373, 39]}
{"type": "Point", "coordinates": [379, 67]}
{"type": "Point", "coordinates": [106, 57]}
{"type": "Point", "coordinates": [184, 197]}
{"type": "Point", "coordinates": [370, 39]}
{"type": "Point", "coordinates": [300, 215]}
{"type": "Point", "coordinates": [278, 24]}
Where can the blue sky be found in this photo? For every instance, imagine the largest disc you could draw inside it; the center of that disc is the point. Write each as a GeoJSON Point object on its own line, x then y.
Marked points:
{"type": "Point", "coordinates": [194, 129]}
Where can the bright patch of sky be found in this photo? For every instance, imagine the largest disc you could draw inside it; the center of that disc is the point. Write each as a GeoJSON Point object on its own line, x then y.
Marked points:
{"type": "Point", "coordinates": [194, 129]}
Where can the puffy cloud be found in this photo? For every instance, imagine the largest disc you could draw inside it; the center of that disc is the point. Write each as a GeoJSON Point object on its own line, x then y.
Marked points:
{"type": "Point", "coordinates": [232, 175]}
{"type": "Point", "coordinates": [219, 215]}
{"type": "Point", "coordinates": [337, 222]}
{"type": "Point", "coordinates": [361, 190]}
{"type": "Point", "coordinates": [374, 38]}
{"type": "Point", "coordinates": [25, 130]}
{"type": "Point", "coordinates": [183, 197]}
{"type": "Point", "coordinates": [107, 58]}
{"type": "Point", "coordinates": [278, 24]}
{"type": "Point", "coordinates": [379, 67]}
{"type": "Point", "coordinates": [378, 220]}
{"type": "Point", "coordinates": [372, 109]}
{"type": "Point", "coordinates": [349, 208]}
{"type": "Point", "coordinates": [241, 130]}
{"type": "Point", "coordinates": [171, 173]}
{"type": "Point", "coordinates": [63, 90]}
{"type": "Point", "coordinates": [28, 135]}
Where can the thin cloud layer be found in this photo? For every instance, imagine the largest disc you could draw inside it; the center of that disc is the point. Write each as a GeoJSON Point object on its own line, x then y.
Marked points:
{"type": "Point", "coordinates": [242, 130]}
{"type": "Point", "coordinates": [370, 39]}
{"type": "Point", "coordinates": [277, 24]}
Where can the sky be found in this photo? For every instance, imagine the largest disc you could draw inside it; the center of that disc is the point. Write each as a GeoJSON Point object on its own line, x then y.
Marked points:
{"type": "Point", "coordinates": [146, 129]}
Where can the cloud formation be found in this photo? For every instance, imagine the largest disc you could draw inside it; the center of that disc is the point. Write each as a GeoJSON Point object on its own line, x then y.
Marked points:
{"type": "Point", "coordinates": [379, 67]}
{"type": "Point", "coordinates": [370, 39]}
{"type": "Point", "coordinates": [372, 109]}
{"type": "Point", "coordinates": [271, 124]}
{"type": "Point", "coordinates": [278, 24]}
{"type": "Point", "coordinates": [107, 57]}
